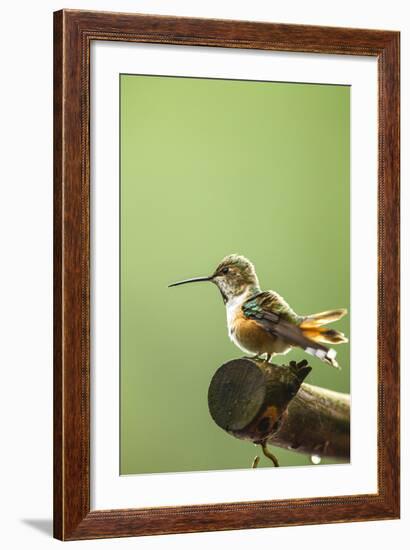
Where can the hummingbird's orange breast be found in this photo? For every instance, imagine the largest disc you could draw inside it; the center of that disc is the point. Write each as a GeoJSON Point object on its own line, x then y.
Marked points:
{"type": "Point", "coordinates": [248, 335]}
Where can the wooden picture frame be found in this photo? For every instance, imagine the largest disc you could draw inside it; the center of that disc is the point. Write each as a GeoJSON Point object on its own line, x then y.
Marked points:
{"type": "Point", "coordinates": [73, 33]}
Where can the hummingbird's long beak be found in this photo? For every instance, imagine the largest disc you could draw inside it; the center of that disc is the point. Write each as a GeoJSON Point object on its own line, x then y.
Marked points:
{"type": "Point", "coordinates": [194, 280]}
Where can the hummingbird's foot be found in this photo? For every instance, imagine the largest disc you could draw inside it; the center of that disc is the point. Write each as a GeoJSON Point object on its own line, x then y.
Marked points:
{"type": "Point", "coordinates": [268, 357]}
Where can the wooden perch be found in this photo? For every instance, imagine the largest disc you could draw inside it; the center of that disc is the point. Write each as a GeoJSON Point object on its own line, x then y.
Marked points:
{"type": "Point", "coordinates": [267, 403]}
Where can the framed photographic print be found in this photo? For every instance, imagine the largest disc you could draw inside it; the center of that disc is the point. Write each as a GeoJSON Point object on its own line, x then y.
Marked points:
{"type": "Point", "coordinates": [226, 275]}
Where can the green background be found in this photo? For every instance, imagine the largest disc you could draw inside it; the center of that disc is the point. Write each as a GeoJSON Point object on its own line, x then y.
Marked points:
{"type": "Point", "coordinates": [208, 168]}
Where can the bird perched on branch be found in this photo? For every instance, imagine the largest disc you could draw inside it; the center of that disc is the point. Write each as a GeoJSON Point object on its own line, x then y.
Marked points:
{"type": "Point", "coordinates": [262, 322]}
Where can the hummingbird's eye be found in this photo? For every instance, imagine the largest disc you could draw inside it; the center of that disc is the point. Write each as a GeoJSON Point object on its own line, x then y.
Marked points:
{"type": "Point", "coordinates": [225, 270]}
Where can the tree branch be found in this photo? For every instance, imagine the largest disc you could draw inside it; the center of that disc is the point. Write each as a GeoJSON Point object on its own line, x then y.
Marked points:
{"type": "Point", "coordinates": [266, 403]}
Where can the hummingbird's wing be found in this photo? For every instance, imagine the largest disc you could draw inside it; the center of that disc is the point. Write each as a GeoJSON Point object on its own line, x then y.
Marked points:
{"type": "Point", "coordinates": [275, 316]}
{"type": "Point", "coordinates": [272, 302]}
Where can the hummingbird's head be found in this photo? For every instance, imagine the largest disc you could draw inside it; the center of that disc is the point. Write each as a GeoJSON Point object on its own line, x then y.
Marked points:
{"type": "Point", "coordinates": [233, 276]}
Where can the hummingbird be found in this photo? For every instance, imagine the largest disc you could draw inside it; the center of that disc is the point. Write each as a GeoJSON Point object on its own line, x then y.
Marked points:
{"type": "Point", "coordinates": [262, 323]}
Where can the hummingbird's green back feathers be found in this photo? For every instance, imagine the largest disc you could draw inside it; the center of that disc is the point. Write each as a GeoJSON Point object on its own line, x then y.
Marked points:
{"type": "Point", "coordinates": [274, 303]}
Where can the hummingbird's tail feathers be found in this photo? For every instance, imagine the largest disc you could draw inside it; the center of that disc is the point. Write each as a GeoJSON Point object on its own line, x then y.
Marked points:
{"type": "Point", "coordinates": [328, 357]}
{"type": "Point", "coordinates": [323, 318]}
{"type": "Point", "coordinates": [327, 336]}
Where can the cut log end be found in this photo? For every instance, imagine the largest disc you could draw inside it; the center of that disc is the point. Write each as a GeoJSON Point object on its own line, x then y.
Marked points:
{"type": "Point", "coordinates": [236, 394]}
